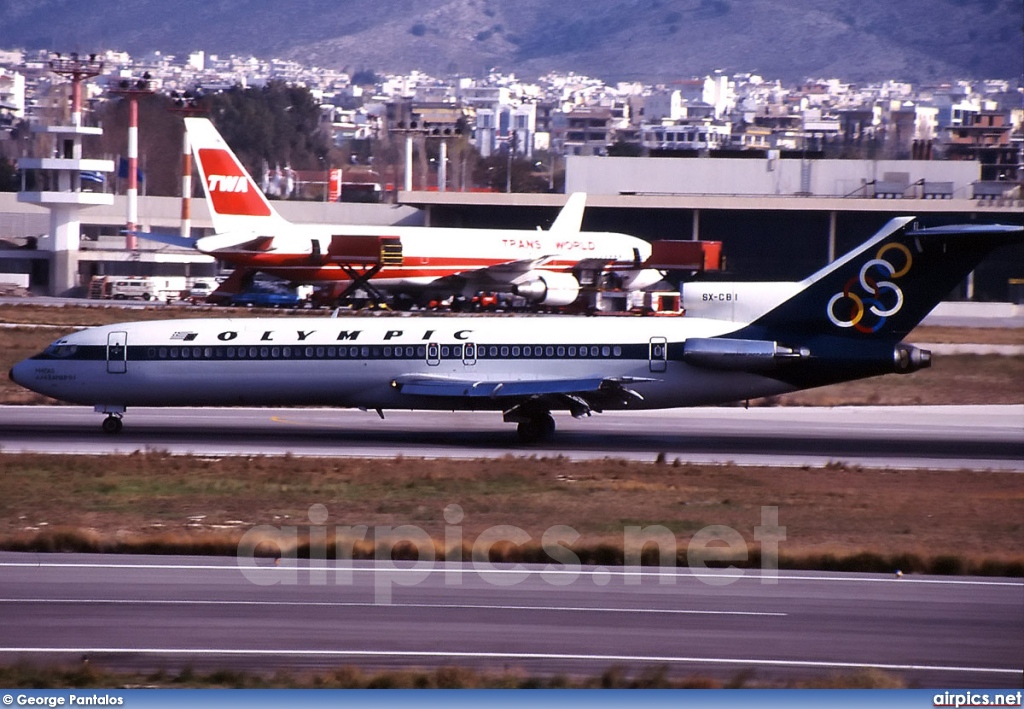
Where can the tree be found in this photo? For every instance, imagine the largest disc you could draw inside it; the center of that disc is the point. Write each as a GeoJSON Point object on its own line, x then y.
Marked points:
{"type": "Point", "coordinates": [277, 124]}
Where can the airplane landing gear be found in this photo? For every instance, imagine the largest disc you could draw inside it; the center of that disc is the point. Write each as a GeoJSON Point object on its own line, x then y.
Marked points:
{"type": "Point", "coordinates": [112, 424]}
{"type": "Point", "coordinates": [536, 428]}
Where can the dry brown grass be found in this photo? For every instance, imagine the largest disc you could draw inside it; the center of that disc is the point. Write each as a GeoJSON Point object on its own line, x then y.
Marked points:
{"type": "Point", "coordinates": [169, 503]}
{"type": "Point", "coordinates": [92, 675]}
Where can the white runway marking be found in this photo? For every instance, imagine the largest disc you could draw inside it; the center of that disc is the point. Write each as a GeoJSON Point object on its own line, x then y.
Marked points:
{"type": "Point", "coordinates": [430, 606]}
{"type": "Point", "coordinates": [652, 573]}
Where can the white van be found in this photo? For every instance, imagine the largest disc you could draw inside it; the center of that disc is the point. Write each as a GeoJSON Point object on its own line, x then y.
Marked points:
{"type": "Point", "coordinates": [131, 288]}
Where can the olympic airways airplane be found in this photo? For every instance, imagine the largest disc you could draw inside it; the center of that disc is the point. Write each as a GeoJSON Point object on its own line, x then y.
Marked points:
{"type": "Point", "coordinates": [542, 266]}
{"type": "Point", "coordinates": [845, 322]}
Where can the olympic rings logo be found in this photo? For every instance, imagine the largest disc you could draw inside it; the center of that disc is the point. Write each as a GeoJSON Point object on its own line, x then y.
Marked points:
{"type": "Point", "coordinates": [875, 279]}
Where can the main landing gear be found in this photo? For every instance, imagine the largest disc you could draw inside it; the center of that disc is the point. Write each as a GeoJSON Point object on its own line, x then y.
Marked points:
{"type": "Point", "coordinates": [534, 426]}
{"type": "Point", "coordinates": [112, 424]}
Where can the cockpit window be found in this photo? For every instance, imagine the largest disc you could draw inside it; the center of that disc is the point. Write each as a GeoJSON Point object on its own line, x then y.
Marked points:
{"type": "Point", "coordinates": [61, 349]}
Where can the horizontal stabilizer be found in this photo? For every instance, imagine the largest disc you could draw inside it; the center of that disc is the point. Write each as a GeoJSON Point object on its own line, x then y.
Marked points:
{"type": "Point", "coordinates": [166, 238]}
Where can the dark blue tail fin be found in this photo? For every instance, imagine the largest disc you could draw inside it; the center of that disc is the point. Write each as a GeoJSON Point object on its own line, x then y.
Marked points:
{"type": "Point", "coordinates": [885, 287]}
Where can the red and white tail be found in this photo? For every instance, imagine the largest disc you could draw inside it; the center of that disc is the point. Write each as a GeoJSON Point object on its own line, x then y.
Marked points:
{"type": "Point", "coordinates": [236, 202]}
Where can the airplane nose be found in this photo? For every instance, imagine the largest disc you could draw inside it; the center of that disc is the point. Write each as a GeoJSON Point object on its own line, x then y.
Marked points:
{"type": "Point", "coordinates": [16, 373]}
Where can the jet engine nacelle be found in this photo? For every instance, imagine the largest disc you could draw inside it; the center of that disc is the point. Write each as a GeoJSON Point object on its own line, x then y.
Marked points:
{"type": "Point", "coordinates": [548, 288]}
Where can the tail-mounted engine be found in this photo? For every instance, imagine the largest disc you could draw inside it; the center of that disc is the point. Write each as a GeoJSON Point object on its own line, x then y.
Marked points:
{"type": "Point", "coordinates": [738, 355]}
{"type": "Point", "coordinates": [907, 359]}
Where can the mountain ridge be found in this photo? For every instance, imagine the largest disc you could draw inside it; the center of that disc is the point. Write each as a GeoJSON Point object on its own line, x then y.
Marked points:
{"type": "Point", "coordinates": [616, 40]}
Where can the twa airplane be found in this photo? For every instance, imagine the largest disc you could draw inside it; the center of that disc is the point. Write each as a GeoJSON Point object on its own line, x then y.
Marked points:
{"type": "Point", "coordinates": [845, 322]}
{"type": "Point", "coordinates": [542, 266]}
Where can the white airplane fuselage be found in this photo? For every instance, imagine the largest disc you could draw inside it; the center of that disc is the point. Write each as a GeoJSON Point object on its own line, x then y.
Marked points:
{"type": "Point", "coordinates": [300, 252]}
{"type": "Point", "coordinates": [353, 362]}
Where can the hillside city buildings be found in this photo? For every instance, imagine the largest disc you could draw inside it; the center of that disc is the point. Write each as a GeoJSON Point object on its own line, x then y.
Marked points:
{"type": "Point", "coordinates": [750, 160]}
{"type": "Point", "coordinates": [571, 115]}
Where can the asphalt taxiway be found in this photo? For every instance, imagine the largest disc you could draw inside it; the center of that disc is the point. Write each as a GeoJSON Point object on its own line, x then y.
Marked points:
{"type": "Point", "coordinates": [938, 437]}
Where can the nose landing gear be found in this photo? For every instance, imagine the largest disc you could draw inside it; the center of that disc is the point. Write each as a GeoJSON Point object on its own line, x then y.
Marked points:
{"type": "Point", "coordinates": [112, 424]}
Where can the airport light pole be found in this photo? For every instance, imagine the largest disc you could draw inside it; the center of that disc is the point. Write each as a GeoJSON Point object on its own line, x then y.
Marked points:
{"type": "Point", "coordinates": [78, 70]}
{"type": "Point", "coordinates": [185, 105]}
{"type": "Point", "coordinates": [132, 90]}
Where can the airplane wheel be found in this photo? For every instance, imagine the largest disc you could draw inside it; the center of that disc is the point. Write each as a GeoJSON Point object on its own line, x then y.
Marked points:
{"type": "Point", "coordinates": [112, 424]}
{"type": "Point", "coordinates": [536, 429]}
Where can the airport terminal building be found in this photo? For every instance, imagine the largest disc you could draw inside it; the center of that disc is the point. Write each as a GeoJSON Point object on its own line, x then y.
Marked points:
{"type": "Point", "coordinates": [779, 218]}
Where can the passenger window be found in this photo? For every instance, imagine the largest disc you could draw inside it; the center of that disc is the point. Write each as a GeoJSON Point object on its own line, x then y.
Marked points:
{"type": "Point", "coordinates": [617, 351]}
{"type": "Point", "coordinates": [572, 351]}
{"type": "Point", "coordinates": [515, 351]}
{"type": "Point", "coordinates": [527, 351]}
{"type": "Point", "coordinates": [493, 351]}
{"type": "Point", "coordinates": [605, 351]}
{"type": "Point", "coordinates": [561, 352]}
{"type": "Point", "coordinates": [504, 351]}
{"type": "Point", "coordinates": [331, 352]}
{"type": "Point", "coordinates": [549, 351]}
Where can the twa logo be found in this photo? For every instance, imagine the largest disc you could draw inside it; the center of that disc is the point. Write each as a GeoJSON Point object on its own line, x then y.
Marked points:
{"type": "Point", "coordinates": [229, 187]}
{"type": "Point", "coordinates": [227, 183]}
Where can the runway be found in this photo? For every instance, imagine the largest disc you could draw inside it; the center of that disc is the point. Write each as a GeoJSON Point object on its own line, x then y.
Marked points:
{"type": "Point", "coordinates": [152, 612]}
{"type": "Point", "coordinates": [939, 437]}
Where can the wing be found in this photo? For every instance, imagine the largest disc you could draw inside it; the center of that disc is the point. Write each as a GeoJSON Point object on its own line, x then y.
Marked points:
{"type": "Point", "coordinates": [580, 395]}
{"type": "Point", "coordinates": [482, 279]}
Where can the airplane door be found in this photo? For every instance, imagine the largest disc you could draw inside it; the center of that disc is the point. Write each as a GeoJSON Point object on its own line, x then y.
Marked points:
{"type": "Point", "coordinates": [469, 353]}
{"type": "Point", "coordinates": [433, 354]}
{"type": "Point", "coordinates": [117, 352]}
{"type": "Point", "coordinates": [658, 356]}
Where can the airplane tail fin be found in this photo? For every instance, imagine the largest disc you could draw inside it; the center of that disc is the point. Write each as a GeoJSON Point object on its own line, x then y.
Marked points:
{"type": "Point", "coordinates": [570, 219]}
{"type": "Point", "coordinates": [885, 287]}
{"type": "Point", "coordinates": [236, 202]}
